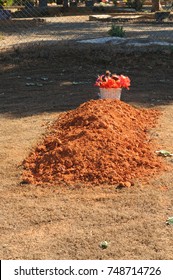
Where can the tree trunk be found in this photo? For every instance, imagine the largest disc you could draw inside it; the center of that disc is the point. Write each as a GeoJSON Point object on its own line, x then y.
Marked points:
{"type": "Point", "coordinates": [65, 4]}
{"type": "Point", "coordinates": [156, 6]}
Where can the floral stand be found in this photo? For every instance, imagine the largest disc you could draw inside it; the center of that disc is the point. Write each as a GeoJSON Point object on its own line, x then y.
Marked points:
{"type": "Point", "coordinates": [114, 93]}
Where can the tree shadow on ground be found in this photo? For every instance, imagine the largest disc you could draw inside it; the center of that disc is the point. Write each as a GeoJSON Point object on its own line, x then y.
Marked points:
{"type": "Point", "coordinates": [77, 28]}
{"type": "Point", "coordinates": [64, 78]}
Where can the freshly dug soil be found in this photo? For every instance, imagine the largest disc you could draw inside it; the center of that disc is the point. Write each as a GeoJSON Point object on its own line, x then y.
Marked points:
{"type": "Point", "coordinates": [102, 141]}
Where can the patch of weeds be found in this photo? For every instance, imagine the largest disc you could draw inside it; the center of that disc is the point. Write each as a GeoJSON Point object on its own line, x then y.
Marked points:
{"type": "Point", "coordinates": [116, 31]}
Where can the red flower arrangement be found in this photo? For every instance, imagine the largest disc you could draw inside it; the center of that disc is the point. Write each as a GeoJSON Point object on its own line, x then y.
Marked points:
{"type": "Point", "coordinates": [112, 81]}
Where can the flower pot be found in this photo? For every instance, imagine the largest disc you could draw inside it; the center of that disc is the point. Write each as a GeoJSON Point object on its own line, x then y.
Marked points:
{"type": "Point", "coordinates": [114, 93]}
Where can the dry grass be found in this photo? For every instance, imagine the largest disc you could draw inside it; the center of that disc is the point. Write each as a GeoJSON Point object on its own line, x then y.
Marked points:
{"type": "Point", "coordinates": [60, 222]}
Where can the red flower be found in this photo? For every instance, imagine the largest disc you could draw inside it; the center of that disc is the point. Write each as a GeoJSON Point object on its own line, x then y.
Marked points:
{"type": "Point", "coordinates": [113, 81]}
{"type": "Point", "coordinates": [125, 81]}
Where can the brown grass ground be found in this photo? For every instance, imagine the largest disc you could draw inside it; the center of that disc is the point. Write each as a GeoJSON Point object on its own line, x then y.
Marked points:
{"type": "Point", "coordinates": [67, 222]}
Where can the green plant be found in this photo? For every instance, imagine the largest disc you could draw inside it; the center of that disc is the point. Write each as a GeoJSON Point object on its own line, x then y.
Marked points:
{"type": "Point", "coordinates": [116, 31]}
{"type": "Point", "coordinates": [8, 3]}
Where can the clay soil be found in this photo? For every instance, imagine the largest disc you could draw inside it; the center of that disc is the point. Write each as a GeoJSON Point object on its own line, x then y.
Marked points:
{"type": "Point", "coordinates": [69, 222]}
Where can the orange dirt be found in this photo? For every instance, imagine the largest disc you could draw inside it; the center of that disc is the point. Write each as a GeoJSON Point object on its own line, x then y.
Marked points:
{"type": "Point", "coordinates": [102, 141]}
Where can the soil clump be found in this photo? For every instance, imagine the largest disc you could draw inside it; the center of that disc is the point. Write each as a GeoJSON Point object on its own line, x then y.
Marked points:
{"type": "Point", "coordinates": [99, 142]}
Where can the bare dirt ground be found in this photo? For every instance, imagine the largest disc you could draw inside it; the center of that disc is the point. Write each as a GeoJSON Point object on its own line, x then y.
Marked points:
{"type": "Point", "coordinates": [59, 222]}
{"type": "Point", "coordinates": [50, 30]}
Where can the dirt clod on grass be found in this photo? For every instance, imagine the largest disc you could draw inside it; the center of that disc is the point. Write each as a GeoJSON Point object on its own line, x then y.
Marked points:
{"type": "Point", "coordinates": [101, 141]}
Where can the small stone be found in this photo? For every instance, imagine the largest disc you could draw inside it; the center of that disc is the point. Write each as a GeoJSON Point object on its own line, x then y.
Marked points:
{"type": "Point", "coordinates": [104, 245]}
{"type": "Point", "coordinates": [122, 185]}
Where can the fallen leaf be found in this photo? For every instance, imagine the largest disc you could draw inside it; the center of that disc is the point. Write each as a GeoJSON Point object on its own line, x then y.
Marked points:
{"type": "Point", "coordinates": [39, 85]}
{"type": "Point", "coordinates": [44, 78]}
{"type": "Point", "coordinates": [80, 83]}
{"type": "Point", "coordinates": [30, 84]}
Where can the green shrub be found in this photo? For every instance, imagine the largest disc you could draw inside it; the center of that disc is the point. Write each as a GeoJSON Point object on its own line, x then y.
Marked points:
{"type": "Point", "coordinates": [7, 3]}
{"type": "Point", "coordinates": [116, 31]}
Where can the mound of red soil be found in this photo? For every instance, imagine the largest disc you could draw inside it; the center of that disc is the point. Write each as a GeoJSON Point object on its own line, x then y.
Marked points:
{"type": "Point", "coordinates": [102, 141]}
